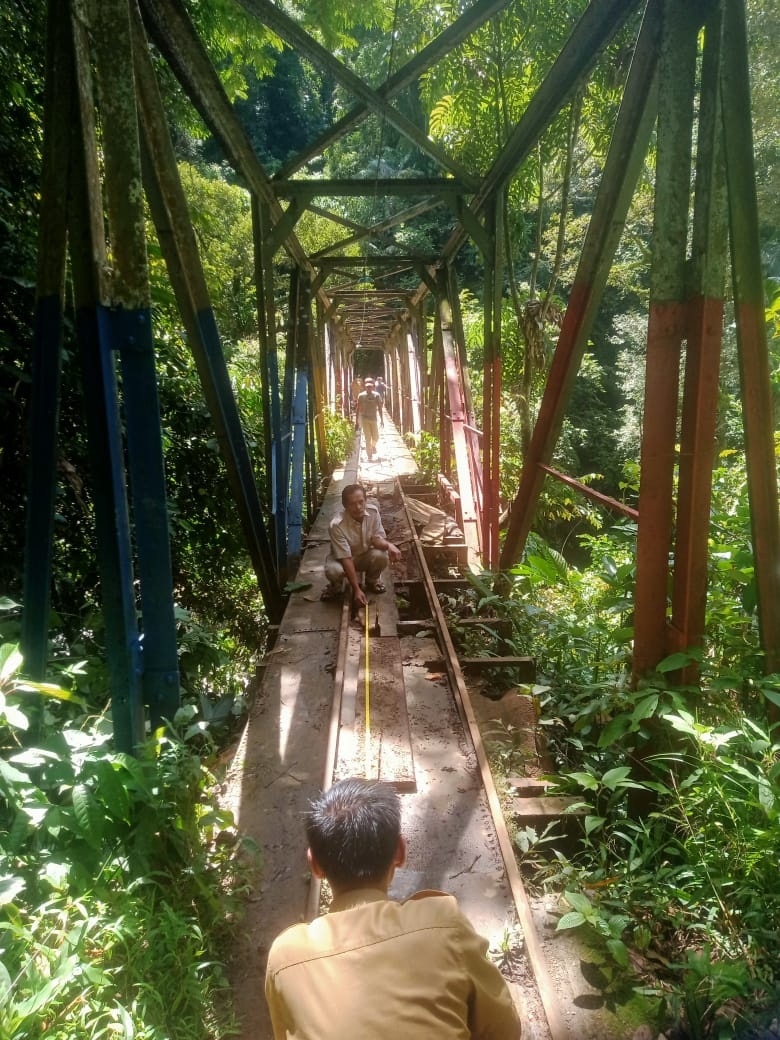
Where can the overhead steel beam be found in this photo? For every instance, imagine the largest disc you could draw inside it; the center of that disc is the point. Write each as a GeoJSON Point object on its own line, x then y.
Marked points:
{"type": "Point", "coordinates": [456, 33]}
{"type": "Point", "coordinates": [382, 225]}
{"type": "Point", "coordinates": [364, 186]}
{"type": "Point", "coordinates": [598, 25]}
{"type": "Point", "coordinates": [295, 35]}
{"type": "Point", "coordinates": [373, 261]}
{"type": "Point", "coordinates": [173, 33]}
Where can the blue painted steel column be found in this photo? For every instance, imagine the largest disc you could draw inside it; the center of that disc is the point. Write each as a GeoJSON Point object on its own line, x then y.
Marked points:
{"type": "Point", "coordinates": [114, 543]}
{"type": "Point", "coordinates": [130, 333]}
{"type": "Point", "coordinates": [127, 328]}
{"type": "Point", "coordinates": [86, 233]}
{"type": "Point", "coordinates": [47, 346]}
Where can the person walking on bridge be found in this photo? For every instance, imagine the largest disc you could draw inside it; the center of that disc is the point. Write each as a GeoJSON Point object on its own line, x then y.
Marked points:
{"type": "Point", "coordinates": [370, 416]}
{"type": "Point", "coordinates": [373, 968]}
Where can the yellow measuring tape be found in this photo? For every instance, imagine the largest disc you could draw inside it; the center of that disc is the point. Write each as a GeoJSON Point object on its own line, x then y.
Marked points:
{"type": "Point", "coordinates": [368, 709]}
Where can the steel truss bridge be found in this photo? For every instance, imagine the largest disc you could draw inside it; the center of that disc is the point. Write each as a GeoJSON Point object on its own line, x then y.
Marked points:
{"type": "Point", "coordinates": [101, 71]}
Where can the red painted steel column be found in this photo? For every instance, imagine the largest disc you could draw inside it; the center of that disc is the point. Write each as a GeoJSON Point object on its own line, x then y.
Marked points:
{"type": "Point", "coordinates": [702, 363]}
{"type": "Point", "coordinates": [626, 154]}
{"type": "Point", "coordinates": [491, 393]}
{"type": "Point", "coordinates": [757, 407]}
{"type": "Point", "coordinates": [667, 325]}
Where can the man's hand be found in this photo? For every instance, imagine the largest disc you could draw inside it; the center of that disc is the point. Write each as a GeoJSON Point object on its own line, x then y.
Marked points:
{"type": "Point", "coordinates": [359, 597]}
{"type": "Point", "coordinates": [393, 552]}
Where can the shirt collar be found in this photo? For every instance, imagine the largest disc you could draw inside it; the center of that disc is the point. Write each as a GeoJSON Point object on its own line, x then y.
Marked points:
{"type": "Point", "coordinates": [357, 897]}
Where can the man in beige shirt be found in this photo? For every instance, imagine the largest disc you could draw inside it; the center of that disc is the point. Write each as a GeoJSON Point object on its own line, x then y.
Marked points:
{"type": "Point", "coordinates": [358, 543]}
{"type": "Point", "coordinates": [373, 968]}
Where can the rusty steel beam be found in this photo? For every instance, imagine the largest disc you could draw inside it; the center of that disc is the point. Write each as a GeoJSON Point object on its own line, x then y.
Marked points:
{"type": "Point", "coordinates": [173, 33]}
{"type": "Point", "coordinates": [757, 407]}
{"type": "Point", "coordinates": [296, 36]}
{"type": "Point", "coordinates": [667, 326]}
{"type": "Point", "coordinates": [625, 157]}
{"type": "Point", "coordinates": [46, 362]}
{"type": "Point", "coordinates": [606, 501]}
{"type": "Point", "coordinates": [454, 34]}
{"type": "Point", "coordinates": [128, 326]}
{"type": "Point", "coordinates": [175, 233]}
{"type": "Point", "coordinates": [470, 524]}
{"type": "Point", "coordinates": [702, 361]}
{"type": "Point", "coordinates": [599, 23]}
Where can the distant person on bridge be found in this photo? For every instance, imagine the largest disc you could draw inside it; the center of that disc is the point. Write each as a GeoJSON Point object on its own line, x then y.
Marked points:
{"type": "Point", "coordinates": [356, 390]}
{"type": "Point", "coordinates": [373, 968]}
{"type": "Point", "coordinates": [357, 543]}
{"type": "Point", "coordinates": [381, 388]}
{"type": "Point", "coordinates": [369, 416]}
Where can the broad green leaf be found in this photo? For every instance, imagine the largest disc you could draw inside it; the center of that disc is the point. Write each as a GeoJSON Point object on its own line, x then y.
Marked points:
{"type": "Point", "coordinates": [674, 662]}
{"type": "Point", "coordinates": [586, 780]}
{"type": "Point", "coordinates": [571, 920]}
{"type": "Point", "coordinates": [579, 901]}
{"type": "Point", "coordinates": [594, 823]}
{"type": "Point", "coordinates": [6, 984]}
{"type": "Point", "coordinates": [771, 695]}
{"type": "Point", "coordinates": [87, 813]}
{"type": "Point", "coordinates": [58, 693]}
{"type": "Point", "coordinates": [614, 730]}
{"type": "Point", "coordinates": [10, 661]}
{"type": "Point", "coordinates": [619, 951]}
{"type": "Point", "coordinates": [645, 708]}
{"type": "Point", "coordinates": [11, 775]}
{"type": "Point", "coordinates": [10, 887]}
{"type": "Point", "coordinates": [613, 777]}
{"type": "Point", "coordinates": [15, 717]}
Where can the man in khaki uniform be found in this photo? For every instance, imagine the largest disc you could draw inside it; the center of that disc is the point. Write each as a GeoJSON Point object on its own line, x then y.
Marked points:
{"type": "Point", "coordinates": [369, 416]}
{"type": "Point", "coordinates": [373, 968]}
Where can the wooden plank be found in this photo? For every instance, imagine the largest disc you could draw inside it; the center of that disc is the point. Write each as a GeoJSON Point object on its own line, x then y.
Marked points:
{"type": "Point", "coordinates": [550, 807]}
{"type": "Point", "coordinates": [523, 786]}
{"type": "Point", "coordinates": [390, 756]}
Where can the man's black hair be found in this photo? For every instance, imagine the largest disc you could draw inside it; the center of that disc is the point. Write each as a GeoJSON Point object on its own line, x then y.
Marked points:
{"type": "Point", "coordinates": [353, 831]}
{"type": "Point", "coordinates": [349, 490]}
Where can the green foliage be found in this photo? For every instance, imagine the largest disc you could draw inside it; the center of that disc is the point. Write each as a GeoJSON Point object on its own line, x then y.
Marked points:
{"type": "Point", "coordinates": [425, 452]}
{"type": "Point", "coordinates": [339, 437]}
{"type": "Point", "coordinates": [119, 880]}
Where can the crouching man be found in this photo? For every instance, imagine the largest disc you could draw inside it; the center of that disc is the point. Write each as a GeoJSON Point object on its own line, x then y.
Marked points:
{"type": "Point", "coordinates": [373, 968]}
{"type": "Point", "coordinates": [357, 543]}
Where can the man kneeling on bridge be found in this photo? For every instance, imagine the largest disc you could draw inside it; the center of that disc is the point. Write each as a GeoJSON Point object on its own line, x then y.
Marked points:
{"type": "Point", "coordinates": [373, 968]}
{"type": "Point", "coordinates": [357, 543]}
